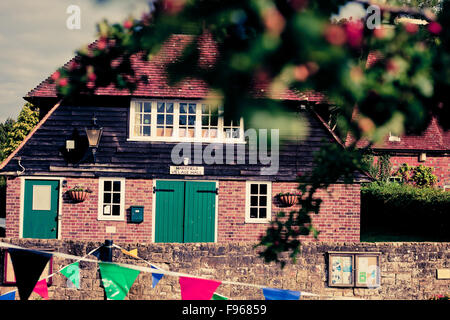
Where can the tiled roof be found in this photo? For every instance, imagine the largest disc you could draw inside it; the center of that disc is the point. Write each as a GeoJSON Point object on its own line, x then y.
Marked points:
{"type": "Point", "coordinates": [433, 138]}
{"type": "Point", "coordinates": [156, 84]}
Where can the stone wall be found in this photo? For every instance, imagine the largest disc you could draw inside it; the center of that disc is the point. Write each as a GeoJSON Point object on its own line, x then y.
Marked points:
{"type": "Point", "coordinates": [408, 270]}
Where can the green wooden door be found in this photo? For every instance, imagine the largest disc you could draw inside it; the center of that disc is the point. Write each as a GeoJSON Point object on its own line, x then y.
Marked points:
{"type": "Point", "coordinates": [185, 211]}
{"type": "Point", "coordinates": [169, 211]}
{"type": "Point", "coordinates": [40, 215]}
{"type": "Point", "coordinates": [199, 214]}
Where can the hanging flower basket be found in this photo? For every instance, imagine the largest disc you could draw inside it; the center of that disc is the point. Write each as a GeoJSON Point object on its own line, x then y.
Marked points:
{"type": "Point", "coordinates": [288, 199]}
{"type": "Point", "coordinates": [78, 194]}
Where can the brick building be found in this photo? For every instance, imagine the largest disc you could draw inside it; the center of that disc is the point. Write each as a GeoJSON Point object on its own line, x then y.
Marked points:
{"type": "Point", "coordinates": [139, 194]}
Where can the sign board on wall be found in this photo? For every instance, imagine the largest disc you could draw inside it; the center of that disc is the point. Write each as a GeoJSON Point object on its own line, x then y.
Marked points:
{"type": "Point", "coordinates": [354, 269]}
{"type": "Point", "coordinates": [187, 170]}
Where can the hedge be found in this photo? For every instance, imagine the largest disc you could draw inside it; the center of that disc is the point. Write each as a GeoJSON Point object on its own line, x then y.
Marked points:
{"type": "Point", "coordinates": [405, 209]}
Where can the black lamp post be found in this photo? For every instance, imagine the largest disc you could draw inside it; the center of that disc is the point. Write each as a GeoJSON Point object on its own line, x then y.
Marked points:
{"type": "Point", "coordinates": [94, 134]}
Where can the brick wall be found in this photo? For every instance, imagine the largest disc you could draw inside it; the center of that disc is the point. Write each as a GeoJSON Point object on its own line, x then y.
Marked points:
{"type": "Point", "coordinates": [408, 270]}
{"type": "Point", "coordinates": [440, 165]}
{"type": "Point", "coordinates": [337, 221]}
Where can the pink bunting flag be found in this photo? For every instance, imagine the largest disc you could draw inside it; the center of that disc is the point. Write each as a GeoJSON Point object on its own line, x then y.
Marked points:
{"type": "Point", "coordinates": [197, 289]}
{"type": "Point", "coordinates": [41, 289]}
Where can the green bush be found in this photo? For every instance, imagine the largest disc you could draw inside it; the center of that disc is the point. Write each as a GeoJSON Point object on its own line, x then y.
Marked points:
{"type": "Point", "coordinates": [405, 209]}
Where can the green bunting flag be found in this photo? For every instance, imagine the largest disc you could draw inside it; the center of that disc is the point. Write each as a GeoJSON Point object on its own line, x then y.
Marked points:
{"type": "Point", "coordinates": [217, 296]}
{"type": "Point", "coordinates": [117, 280]}
{"type": "Point", "coordinates": [72, 272]}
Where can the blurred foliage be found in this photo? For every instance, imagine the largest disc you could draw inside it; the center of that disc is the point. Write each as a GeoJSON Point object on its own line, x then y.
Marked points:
{"type": "Point", "coordinates": [17, 130]}
{"type": "Point", "coordinates": [420, 176]}
{"type": "Point", "coordinates": [381, 169]}
{"type": "Point", "coordinates": [403, 208]}
{"type": "Point", "coordinates": [288, 44]}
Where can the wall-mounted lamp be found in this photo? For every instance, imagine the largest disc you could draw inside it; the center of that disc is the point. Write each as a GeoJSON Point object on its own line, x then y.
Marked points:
{"type": "Point", "coordinates": [70, 145]}
{"type": "Point", "coordinates": [94, 134]}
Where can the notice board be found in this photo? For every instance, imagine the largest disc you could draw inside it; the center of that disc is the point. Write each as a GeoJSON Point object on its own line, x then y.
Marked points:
{"type": "Point", "coordinates": [354, 269]}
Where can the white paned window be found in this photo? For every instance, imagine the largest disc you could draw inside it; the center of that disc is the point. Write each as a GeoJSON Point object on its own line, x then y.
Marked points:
{"type": "Point", "coordinates": [176, 121]}
{"type": "Point", "coordinates": [111, 199]}
{"type": "Point", "coordinates": [258, 203]}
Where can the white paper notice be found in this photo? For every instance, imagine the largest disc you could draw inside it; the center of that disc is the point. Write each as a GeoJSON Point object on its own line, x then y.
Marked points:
{"type": "Point", "coordinates": [42, 198]}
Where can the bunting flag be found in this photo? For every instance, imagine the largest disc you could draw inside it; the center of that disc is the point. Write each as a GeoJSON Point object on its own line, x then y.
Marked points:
{"type": "Point", "coordinates": [72, 272]}
{"type": "Point", "coordinates": [42, 289]}
{"type": "Point", "coordinates": [133, 253]}
{"type": "Point", "coordinates": [156, 277]}
{"type": "Point", "coordinates": [279, 294]}
{"type": "Point", "coordinates": [217, 296]}
{"type": "Point", "coordinates": [197, 289]}
{"type": "Point", "coordinates": [117, 280]}
{"type": "Point", "coordinates": [28, 266]}
{"type": "Point", "coordinates": [8, 296]}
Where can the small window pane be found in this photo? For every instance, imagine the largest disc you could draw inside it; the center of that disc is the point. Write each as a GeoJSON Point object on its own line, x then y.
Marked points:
{"type": "Point", "coordinates": [262, 213]}
{"type": "Point", "coordinates": [107, 186]}
{"type": "Point", "coordinates": [191, 120]}
{"type": "Point", "coordinates": [107, 209]}
{"type": "Point", "coordinates": [262, 200]}
{"type": "Point", "coordinates": [253, 212]}
{"type": "Point", "coordinates": [169, 107]}
{"type": "Point", "coordinates": [169, 119]}
{"type": "Point", "coordinates": [107, 197]}
{"type": "Point", "coordinates": [192, 107]}
{"type": "Point", "coordinates": [147, 119]}
{"type": "Point", "coordinates": [263, 188]}
{"type": "Point", "coordinates": [116, 210]}
{"type": "Point", "coordinates": [183, 107]}
{"type": "Point", "coordinates": [161, 107]}
{"type": "Point", "coordinates": [116, 198]}
{"type": "Point", "coordinates": [160, 119]}
{"type": "Point", "coordinates": [254, 189]}
{"type": "Point", "coordinates": [254, 200]}
{"type": "Point", "coordinates": [147, 107]}
{"type": "Point", "coordinates": [116, 185]}
{"type": "Point", "coordinates": [183, 120]}
{"type": "Point", "coordinates": [146, 130]}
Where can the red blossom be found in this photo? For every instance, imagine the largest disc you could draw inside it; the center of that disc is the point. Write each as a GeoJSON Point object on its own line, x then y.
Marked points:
{"type": "Point", "coordinates": [63, 82]}
{"type": "Point", "coordinates": [55, 76]}
{"type": "Point", "coordinates": [301, 73]}
{"type": "Point", "coordinates": [128, 24]}
{"type": "Point", "coordinates": [411, 28]}
{"type": "Point", "coordinates": [335, 35]}
{"type": "Point", "coordinates": [354, 32]}
{"type": "Point", "coordinates": [102, 44]}
{"type": "Point", "coordinates": [174, 6]}
{"type": "Point", "coordinates": [434, 28]}
{"type": "Point", "coordinates": [92, 76]}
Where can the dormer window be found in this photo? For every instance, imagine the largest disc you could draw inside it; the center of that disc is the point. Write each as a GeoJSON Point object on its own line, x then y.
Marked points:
{"type": "Point", "coordinates": [177, 121]}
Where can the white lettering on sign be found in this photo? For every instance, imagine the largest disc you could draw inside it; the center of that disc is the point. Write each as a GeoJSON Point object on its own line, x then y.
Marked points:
{"type": "Point", "coordinates": [187, 170]}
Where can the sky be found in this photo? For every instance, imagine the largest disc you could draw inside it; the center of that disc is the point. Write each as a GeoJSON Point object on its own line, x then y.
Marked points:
{"type": "Point", "coordinates": [35, 41]}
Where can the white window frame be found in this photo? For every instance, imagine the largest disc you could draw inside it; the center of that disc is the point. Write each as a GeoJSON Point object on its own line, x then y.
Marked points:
{"type": "Point", "coordinates": [103, 217]}
{"type": "Point", "coordinates": [268, 217]}
{"type": "Point", "coordinates": [221, 137]}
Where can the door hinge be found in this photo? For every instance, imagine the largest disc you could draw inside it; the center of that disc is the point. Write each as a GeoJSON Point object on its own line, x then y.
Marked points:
{"type": "Point", "coordinates": [209, 191]}
{"type": "Point", "coordinates": [164, 190]}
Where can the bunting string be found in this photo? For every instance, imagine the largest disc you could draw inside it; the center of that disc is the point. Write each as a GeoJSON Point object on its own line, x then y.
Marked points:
{"type": "Point", "coordinates": [154, 269]}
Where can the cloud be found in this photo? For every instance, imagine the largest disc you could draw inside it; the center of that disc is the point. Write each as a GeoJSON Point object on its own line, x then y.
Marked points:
{"type": "Point", "coordinates": [35, 41]}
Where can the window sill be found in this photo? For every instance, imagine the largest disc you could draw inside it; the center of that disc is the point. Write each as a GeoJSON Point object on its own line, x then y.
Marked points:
{"type": "Point", "coordinates": [136, 139]}
{"type": "Point", "coordinates": [120, 219]}
{"type": "Point", "coordinates": [259, 221]}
